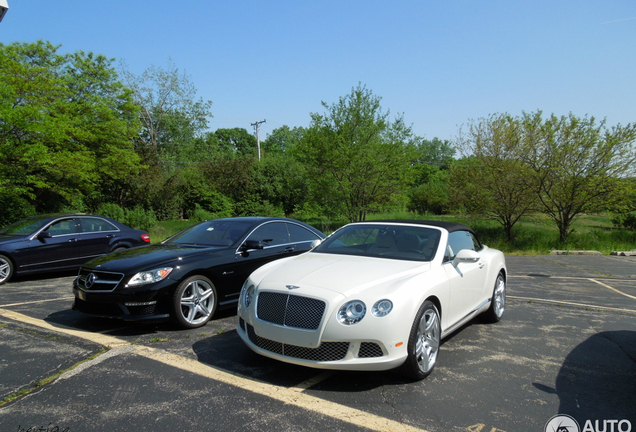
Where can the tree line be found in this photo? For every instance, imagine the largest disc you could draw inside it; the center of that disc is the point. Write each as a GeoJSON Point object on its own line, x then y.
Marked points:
{"type": "Point", "coordinates": [78, 133]}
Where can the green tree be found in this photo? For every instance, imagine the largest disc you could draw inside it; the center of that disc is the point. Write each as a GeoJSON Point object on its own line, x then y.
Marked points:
{"type": "Point", "coordinates": [66, 124]}
{"type": "Point", "coordinates": [434, 152]}
{"type": "Point", "coordinates": [494, 181]}
{"type": "Point", "coordinates": [357, 158]}
{"type": "Point", "coordinates": [281, 181]}
{"type": "Point", "coordinates": [236, 142]}
{"type": "Point", "coordinates": [431, 191]}
{"type": "Point", "coordinates": [170, 115]}
{"type": "Point", "coordinates": [577, 163]}
{"type": "Point", "coordinates": [624, 208]}
{"type": "Point", "coordinates": [282, 139]}
{"type": "Point", "coordinates": [171, 142]}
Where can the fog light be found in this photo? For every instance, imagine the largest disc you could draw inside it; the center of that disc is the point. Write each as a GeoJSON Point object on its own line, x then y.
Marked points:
{"type": "Point", "coordinates": [140, 303]}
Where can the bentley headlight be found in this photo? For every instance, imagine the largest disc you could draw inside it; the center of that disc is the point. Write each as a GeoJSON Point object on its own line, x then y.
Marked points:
{"type": "Point", "coordinates": [382, 308]}
{"type": "Point", "coordinates": [352, 312]}
{"type": "Point", "coordinates": [151, 276]}
{"type": "Point", "coordinates": [247, 292]}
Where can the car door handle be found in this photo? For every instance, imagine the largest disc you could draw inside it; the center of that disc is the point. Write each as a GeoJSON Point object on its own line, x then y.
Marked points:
{"type": "Point", "coordinates": [290, 249]}
{"type": "Point", "coordinates": [72, 240]}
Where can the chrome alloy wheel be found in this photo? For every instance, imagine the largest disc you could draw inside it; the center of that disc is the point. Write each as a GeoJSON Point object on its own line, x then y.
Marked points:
{"type": "Point", "coordinates": [499, 296]}
{"type": "Point", "coordinates": [427, 340]}
{"type": "Point", "coordinates": [6, 269]}
{"type": "Point", "coordinates": [197, 301]}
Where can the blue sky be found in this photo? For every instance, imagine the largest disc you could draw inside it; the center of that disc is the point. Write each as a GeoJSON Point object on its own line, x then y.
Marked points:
{"type": "Point", "coordinates": [439, 63]}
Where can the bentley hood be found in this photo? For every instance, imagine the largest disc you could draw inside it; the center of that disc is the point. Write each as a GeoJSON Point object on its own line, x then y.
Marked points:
{"type": "Point", "coordinates": [342, 274]}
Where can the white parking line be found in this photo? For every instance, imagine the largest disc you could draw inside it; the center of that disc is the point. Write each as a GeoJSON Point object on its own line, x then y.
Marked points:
{"type": "Point", "coordinates": [561, 302]}
{"type": "Point", "coordinates": [292, 396]}
{"type": "Point", "coordinates": [37, 301]}
{"type": "Point", "coordinates": [596, 281]}
{"type": "Point", "coordinates": [613, 289]}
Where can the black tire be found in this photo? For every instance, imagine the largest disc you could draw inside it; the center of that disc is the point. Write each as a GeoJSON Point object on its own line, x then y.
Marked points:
{"type": "Point", "coordinates": [6, 269]}
{"type": "Point", "coordinates": [194, 302]}
{"type": "Point", "coordinates": [424, 342]}
{"type": "Point", "coordinates": [497, 301]}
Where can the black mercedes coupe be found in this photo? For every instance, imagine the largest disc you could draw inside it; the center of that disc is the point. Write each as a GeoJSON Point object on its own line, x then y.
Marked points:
{"type": "Point", "coordinates": [190, 275]}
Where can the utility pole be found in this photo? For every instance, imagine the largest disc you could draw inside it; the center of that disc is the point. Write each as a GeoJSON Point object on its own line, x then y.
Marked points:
{"type": "Point", "coordinates": [258, 139]}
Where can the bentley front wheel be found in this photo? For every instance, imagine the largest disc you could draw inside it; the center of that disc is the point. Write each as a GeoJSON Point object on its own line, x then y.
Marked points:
{"type": "Point", "coordinates": [424, 342]}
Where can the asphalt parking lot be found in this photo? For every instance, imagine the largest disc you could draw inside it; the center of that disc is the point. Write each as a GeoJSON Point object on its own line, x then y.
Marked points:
{"type": "Point", "coordinates": [567, 344]}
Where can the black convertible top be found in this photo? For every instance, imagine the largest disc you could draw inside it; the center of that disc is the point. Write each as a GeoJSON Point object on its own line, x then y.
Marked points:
{"type": "Point", "coordinates": [448, 226]}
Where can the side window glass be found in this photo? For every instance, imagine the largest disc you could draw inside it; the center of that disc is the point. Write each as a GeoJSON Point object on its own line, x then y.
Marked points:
{"type": "Point", "coordinates": [476, 243]}
{"type": "Point", "coordinates": [62, 227]}
{"type": "Point", "coordinates": [299, 234]}
{"type": "Point", "coordinates": [457, 241]}
{"type": "Point", "coordinates": [90, 225]}
{"type": "Point", "coordinates": [272, 234]}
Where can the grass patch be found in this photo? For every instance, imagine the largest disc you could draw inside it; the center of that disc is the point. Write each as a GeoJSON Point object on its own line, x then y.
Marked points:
{"type": "Point", "coordinates": [165, 229]}
{"type": "Point", "coordinates": [536, 235]}
{"type": "Point", "coordinates": [42, 382]}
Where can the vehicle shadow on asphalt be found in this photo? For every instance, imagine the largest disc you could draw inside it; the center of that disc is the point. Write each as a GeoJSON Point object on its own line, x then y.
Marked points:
{"type": "Point", "coordinates": [228, 352]}
{"type": "Point", "coordinates": [120, 328]}
{"type": "Point", "coordinates": [598, 378]}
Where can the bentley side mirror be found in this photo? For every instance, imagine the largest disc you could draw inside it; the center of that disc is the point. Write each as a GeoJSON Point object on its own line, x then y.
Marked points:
{"type": "Point", "coordinates": [466, 256]}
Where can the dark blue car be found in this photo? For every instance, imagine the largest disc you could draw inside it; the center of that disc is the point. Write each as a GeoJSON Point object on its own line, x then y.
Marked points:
{"type": "Point", "coordinates": [54, 242]}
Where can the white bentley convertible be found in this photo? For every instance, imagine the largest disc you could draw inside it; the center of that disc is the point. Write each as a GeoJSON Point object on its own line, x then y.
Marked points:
{"type": "Point", "coordinates": [373, 296]}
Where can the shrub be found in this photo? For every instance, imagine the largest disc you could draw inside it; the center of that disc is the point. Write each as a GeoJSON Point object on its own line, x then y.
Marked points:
{"type": "Point", "coordinates": [14, 208]}
{"type": "Point", "coordinates": [199, 215]}
{"type": "Point", "coordinates": [625, 220]}
{"type": "Point", "coordinates": [139, 218]}
{"type": "Point", "coordinates": [112, 211]}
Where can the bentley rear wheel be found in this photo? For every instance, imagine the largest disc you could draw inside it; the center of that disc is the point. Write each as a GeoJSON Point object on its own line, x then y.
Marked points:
{"type": "Point", "coordinates": [498, 300]}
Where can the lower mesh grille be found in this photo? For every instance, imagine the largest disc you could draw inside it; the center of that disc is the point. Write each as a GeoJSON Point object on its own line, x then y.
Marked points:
{"type": "Point", "coordinates": [108, 309]}
{"type": "Point", "coordinates": [327, 351]}
{"type": "Point", "coordinates": [370, 350]}
{"type": "Point", "coordinates": [142, 310]}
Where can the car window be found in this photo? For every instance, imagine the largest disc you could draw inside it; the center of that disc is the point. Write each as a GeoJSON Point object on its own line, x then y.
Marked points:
{"type": "Point", "coordinates": [62, 227]}
{"type": "Point", "coordinates": [383, 241]}
{"type": "Point", "coordinates": [96, 225]}
{"type": "Point", "coordinates": [459, 240]}
{"type": "Point", "coordinates": [24, 226]}
{"type": "Point", "coordinates": [214, 233]}
{"type": "Point", "coordinates": [271, 233]}
{"type": "Point", "coordinates": [299, 234]}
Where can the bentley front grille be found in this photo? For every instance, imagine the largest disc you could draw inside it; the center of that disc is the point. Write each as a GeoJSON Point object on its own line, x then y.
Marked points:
{"type": "Point", "coordinates": [290, 310]}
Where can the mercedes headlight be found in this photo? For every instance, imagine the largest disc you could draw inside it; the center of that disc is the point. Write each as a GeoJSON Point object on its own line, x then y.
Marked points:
{"type": "Point", "coordinates": [352, 312]}
{"type": "Point", "coordinates": [151, 276]}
